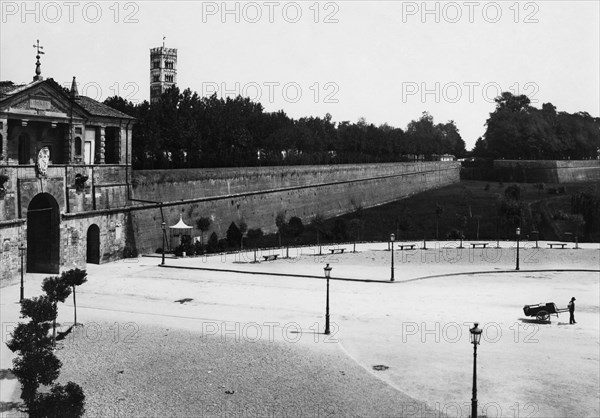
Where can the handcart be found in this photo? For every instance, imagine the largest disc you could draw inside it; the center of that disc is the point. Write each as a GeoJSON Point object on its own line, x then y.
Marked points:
{"type": "Point", "coordinates": [542, 311]}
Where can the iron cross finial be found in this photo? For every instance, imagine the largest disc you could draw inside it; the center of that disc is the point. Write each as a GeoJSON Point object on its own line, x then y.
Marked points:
{"type": "Point", "coordinates": [39, 47]}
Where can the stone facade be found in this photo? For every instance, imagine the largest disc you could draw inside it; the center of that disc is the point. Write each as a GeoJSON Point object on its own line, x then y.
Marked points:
{"type": "Point", "coordinates": [48, 207]}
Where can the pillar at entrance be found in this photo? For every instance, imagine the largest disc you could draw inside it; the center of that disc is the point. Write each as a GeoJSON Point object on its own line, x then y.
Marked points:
{"type": "Point", "coordinates": [101, 159]}
{"type": "Point", "coordinates": [68, 145]}
{"type": "Point", "coordinates": [4, 141]}
{"type": "Point", "coordinates": [129, 146]}
{"type": "Point", "coordinates": [119, 146]}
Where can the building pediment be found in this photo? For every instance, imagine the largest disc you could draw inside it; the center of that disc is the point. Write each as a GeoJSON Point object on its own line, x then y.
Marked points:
{"type": "Point", "coordinates": [40, 99]}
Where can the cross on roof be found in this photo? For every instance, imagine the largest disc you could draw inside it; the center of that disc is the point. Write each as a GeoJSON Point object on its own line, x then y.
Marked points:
{"type": "Point", "coordinates": [39, 47]}
{"type": "Point", "coordinates": [38, 65]}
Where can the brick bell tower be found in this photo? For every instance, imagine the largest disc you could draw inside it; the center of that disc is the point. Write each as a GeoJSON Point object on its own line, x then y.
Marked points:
{"type": "Point", "coordinates": [163, 70]}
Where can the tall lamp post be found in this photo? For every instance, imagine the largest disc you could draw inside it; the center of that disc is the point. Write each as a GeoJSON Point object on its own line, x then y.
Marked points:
{"type": "Point", "coordinates": [518, 235]}
{"type": "Point", "coordinates": [22, 249]}
{"type": "Point", "coordinates": [327, 270]}
{"type": "Point", "coordinates": [164, 226]}
{"type": "Point", "coordinates": [475, 338]}
{"type": "Point", "coordinates": [392, 239]}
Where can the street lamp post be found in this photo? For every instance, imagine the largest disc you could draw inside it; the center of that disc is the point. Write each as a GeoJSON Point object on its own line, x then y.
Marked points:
{"type": "Point", "coordinates": [475, 338]}
{"type": "Point", "coordinates": [327, 270]}
{"type": "Point", "coordinates": [518, 236]}
{"type": "Point", "coordinates": [164, 226]}
{"type": "Point", "coordinates": [392, 239]}
{"type": "Point", "coordinates": [22, 249]}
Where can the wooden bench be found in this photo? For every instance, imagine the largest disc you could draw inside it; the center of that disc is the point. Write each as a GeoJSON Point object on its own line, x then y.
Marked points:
{"type": "Point", "coordinates": [271, 257]}
{"type": "Point", "coordinates": [557, 244]}
{"type": "Point", "coordinates": [337, 250]}
{"type": "Point", "coordinates": [479, 244]}
{"type": "Point", "coordinates": [406, 246]}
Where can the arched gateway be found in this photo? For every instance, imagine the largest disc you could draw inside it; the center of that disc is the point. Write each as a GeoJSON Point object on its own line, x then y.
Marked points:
{"type": "Point", "coordinates": [43, 235]}
{"type": "Point", "coordinates": [93, 244]}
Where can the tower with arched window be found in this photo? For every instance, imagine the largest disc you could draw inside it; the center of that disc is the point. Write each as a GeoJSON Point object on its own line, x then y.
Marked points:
{"type": "Point", "coordinates": [163, 71]}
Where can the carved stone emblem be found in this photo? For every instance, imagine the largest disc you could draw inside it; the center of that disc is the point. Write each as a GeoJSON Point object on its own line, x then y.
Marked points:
{"type": "Point", "coordinates": [42, 161]}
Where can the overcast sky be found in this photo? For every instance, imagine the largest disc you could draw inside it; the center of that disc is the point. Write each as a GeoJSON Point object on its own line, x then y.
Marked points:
{"type": "Point", "coordinates": [386, 61]}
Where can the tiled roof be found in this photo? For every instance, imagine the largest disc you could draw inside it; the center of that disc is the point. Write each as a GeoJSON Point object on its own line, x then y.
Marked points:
{"type": "Point", "coordinates": [93, 107]}
{"type": "Point", "coordinates": [100, 109]}
{"type": "Point", "coordinates": [5, 87]}
{"type": "Point", "coordinates": [8, 88]}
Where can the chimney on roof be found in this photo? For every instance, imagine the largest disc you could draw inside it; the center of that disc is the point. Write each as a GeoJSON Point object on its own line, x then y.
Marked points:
{"type": "Point", "coordinates": [74, 93]}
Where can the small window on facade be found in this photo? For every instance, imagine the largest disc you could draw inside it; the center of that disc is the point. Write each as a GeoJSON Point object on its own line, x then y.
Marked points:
{"type": "Point", "coordinates": [169, 64]}
{"type": "Point", "coordinates": [169, 78]}
{"type": "Point", "coordinates": [78, 147]}
{"type": "Point", "coordinates": [155, 78]}
{"type": "Point", "coordinates": [156, 64]}
{"type": "Point", "coordinates": [78, 131]}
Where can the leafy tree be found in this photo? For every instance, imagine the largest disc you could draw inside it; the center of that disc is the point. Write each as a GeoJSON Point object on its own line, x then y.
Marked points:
{"type": "Point", "coordinates": [35, 368]}
{"type": "Point", "coordinates": [518, 130]}
{"type": "Point", "coordinates": [36, 364]}
{"type": "Point", "coordinates": [74, 278]}
{"type": "Point", "coordinates": [317, 223]}
{"type": "Point", "coordinates": [66, 401]}
{"type": "Point", "coordinates": [243, 229]}
{"type": "Point", "coordinates": [234, 235]}
{"type": "Point", "coordinates": [27, 337]}
{"type": "Point", "coordinates": [57, 289]}
{"type": "Point", "coordinates": [513, 211]}
{"type": "Point", "coordinates": [577, 221]}
{"type": "Point", "coordinates": [39, 309]}
{"type": "Point", "coordinates": [461, 223]}
{"type": "Point", "coordinates": [213, 243]}
{"type": "Point", "coordinates": [355, 226]}
{"type": "Point", "coordinates": [254, 235]}
{"type": "Point", "coordinates": [203, 225]}
{"type": "Point", "coordinates": [281, 225]}
{"type": "Point", "coordinates": [295, 227]}
{"type": "Point", "coordinates": [183, 129]}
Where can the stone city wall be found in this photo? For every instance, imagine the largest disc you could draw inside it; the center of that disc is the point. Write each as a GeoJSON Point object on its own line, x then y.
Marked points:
{"type": "Point", "coordinates": [257, 198]}
{"type": "Point", "coordinates": [254, 195]}
{"type": "Point", "coordinates": [536, 171]}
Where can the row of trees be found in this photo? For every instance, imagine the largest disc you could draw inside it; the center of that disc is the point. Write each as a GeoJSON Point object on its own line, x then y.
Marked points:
{"type": "Point", "coordinates": [517, 130]}
{"type": "Point", "coordinates": [36, 363]}
{"type": "Point", "coordinates": [185, 130]}
{"type": "Point", "coordinates": [239, 236]}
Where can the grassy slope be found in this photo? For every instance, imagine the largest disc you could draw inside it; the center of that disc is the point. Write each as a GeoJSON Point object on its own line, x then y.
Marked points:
{"type": "Point", "coordinates": [414, 218]}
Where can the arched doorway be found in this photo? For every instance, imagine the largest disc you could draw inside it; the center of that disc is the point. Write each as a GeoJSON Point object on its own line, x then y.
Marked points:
{"type": "Point", "coordinates": [93, 244]}
{"type": "Point", "coordinates": [43, 235]}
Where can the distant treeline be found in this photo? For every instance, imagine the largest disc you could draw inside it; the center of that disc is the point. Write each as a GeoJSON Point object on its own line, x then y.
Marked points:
{"type": "Point", "coordinates": [185, 130]}
{"type": "Point", "coordinates": [516, 130]}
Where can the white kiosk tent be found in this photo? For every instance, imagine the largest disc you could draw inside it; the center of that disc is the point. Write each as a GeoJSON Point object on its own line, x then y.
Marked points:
{"type": "Point", "coordinates": [181, 230]}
